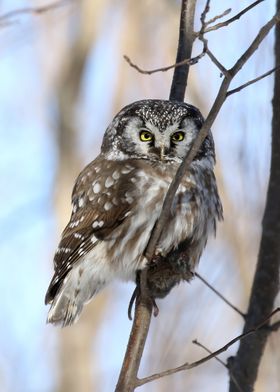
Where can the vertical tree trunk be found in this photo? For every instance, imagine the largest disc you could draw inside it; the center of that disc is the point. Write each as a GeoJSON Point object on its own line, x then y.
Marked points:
{"type": "Point", "coordinates": [244, 366]}
{"type": "Point", "coordinates": [184, 51]}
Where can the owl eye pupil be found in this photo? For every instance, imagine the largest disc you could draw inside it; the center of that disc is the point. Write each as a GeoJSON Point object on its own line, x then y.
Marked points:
{"type": "Point", "coordinates": [146, 136]}
{"type": "Point", "coordinates": [178, 136]}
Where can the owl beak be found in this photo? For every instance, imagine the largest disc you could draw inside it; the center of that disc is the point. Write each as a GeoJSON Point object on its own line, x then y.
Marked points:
{"type": "Point", "coordinates": [162, 153]}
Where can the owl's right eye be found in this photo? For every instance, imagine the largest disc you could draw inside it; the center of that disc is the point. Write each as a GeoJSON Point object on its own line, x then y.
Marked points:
{"type": "Point", "coordinates": [146, 136]}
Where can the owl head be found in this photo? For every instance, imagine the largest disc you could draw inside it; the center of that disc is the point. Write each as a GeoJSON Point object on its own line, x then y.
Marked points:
{"type": "Point", "coordinates": [155, 130]}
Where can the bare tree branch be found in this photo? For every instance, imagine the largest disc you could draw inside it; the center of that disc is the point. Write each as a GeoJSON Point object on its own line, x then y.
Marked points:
{"type": "Point", "coordinates": [142, 318]}
{"type": "Point", "coordinates": [220, 295]}
{"type": "Point", "coordinates": [221, 362]}
{"type": "Point", "coordinates": [202, 38]}
{"type": "Point", "coordinates": [34, 10]}
{"type": "Point", "coordinates": [197, 343]}
{"type": "Point", "coordinates": [237, 89]}
{"type": "Point", "coordinates": [191, 61]}
{"type": "Point", "coordinates": [233, 19]}
{"type": "Point", "coordinates": [188, 366]}
{"type": "Point", "coordinates": [210, 21]}
{"type": "Point", "coordinates": [188, 61]}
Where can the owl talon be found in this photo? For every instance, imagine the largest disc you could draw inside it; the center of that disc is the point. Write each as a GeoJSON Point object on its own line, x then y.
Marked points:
{"type": "Point", "coordinates": [133, 299]}
{"type": "Point", "coordinates": [155, 308]}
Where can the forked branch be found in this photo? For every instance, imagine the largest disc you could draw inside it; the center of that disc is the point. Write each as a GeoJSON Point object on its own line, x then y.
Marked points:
{"type": "Point", "coordinates": [188, 366]}
{"type": "Point", "coordinates": [231, 20]}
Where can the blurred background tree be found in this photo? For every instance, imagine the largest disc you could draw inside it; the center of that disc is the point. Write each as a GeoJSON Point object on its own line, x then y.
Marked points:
{"type": "Point", "coordinates": [62, 78]}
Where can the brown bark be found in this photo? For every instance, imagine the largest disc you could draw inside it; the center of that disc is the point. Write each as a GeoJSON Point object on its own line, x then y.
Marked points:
{"type": "Point", "coordinates": [184, 51]}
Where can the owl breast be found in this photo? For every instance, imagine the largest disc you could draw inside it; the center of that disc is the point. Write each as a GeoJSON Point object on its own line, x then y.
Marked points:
{"type": "Point", "coordinates": [192, 216]}
{"type": "Point", "coordinates": [108, 251]}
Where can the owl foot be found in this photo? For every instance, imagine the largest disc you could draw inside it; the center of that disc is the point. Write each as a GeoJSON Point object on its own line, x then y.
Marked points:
{"type": "Point", "coordinates": [135, 295]}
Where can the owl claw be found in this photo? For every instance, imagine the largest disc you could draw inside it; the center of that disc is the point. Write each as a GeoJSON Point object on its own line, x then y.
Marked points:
{"type": "Point", "coordinates": [133, 299]}
{"type": "Point", "coordinates": [131, 302]}
{"type": "Point", "coordinates": [155, 308]}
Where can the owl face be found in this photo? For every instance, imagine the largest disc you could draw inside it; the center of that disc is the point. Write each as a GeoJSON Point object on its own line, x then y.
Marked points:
{"type": "Point", "coordinates": [155, 130]}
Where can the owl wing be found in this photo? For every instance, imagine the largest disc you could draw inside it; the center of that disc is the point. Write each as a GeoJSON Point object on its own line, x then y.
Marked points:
{"type": "Point", "coordinates": [101, 201]}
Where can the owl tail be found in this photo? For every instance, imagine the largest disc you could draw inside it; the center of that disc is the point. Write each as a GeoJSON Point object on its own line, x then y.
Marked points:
{"type": "Point", "coordinates": [64, 311]}
{"type": "Point", "coordinates": [75, 292]}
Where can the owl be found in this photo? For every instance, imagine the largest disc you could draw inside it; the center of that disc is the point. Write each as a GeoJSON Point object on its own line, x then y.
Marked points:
{"type": "Point", "coordinates": [118, 198]}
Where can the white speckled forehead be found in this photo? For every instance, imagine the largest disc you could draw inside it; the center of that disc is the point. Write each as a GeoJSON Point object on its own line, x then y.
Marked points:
{"type": "Point", "coordinates": [162, 115]}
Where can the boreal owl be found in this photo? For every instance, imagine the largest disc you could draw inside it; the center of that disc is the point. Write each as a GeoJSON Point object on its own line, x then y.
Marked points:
{"type": "Point", "coordinates": [117, 200]}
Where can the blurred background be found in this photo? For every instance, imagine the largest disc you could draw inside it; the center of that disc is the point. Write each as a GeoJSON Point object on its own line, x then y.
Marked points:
{"type": "Point", "coordinates": [62, 78]}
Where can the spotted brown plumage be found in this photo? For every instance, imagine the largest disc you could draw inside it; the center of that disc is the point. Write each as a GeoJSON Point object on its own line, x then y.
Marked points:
{"type": "Point", "coordinates": [117, 200]}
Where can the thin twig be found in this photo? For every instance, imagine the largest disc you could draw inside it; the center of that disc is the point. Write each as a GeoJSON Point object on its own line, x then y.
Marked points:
{"type": "Point", "coordinates": [201, 37]}
{"type": "Point", "coordinates": [221, 362]}
{"type": "Point", "coordinates": [197, 343]}
{"type": "Point", "coordinates": [237, 89]}
{"type": "Point", "coordinates": [220, 295]}
{"type": "Point", "coordinates": [191, 61]}
{"type": "Point", "coordinates": [213, 58]}
{"type": "Point", "coordinates": [33, 10]}
{"type": "Point", "coordinates": [210, 21]}
{"type": "Point", "coordinates": [204, 14]}
{"type": "Point", "coordinates": [188, 366]}
{"type": "Point", "coordinates": [233, 19]}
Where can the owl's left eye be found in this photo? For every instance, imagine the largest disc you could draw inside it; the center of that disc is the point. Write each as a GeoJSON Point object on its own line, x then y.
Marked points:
{"type": "Point", "coordinates": [178, 136]}
{"type": "Point", "coordinates": [146, 136]}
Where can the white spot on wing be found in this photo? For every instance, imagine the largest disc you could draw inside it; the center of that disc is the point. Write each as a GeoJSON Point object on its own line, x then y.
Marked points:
{"type": "Point", "coordinates": [78, 236]}
{"type": "Point", "coordinates": [115, 201]}
{"type": "Point", "coordinates": [128, 197]}
{"type": "Point", "coordinates": [108, 206]}
{"type": "Point", "coordinates": [76, 223]}
{"type": "Point", "coordinates": [81, 202]}
{"type": "Point", "coordinates": [97, 224]}
{"type": "Point", "coordinates": [116, 175]}
{"type": "Point", "coordinates": [109, 182]}
{"type": "Point", "coordinates": [96, 187]}
{"type": "Point", "coordinates": [126, 169]}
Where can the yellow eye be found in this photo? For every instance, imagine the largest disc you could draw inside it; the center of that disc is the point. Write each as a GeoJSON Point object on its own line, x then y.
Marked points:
{"type": "Point", "coordinates": [178, 136]}
{"type": "Point", "coordinates": [146, 136]}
